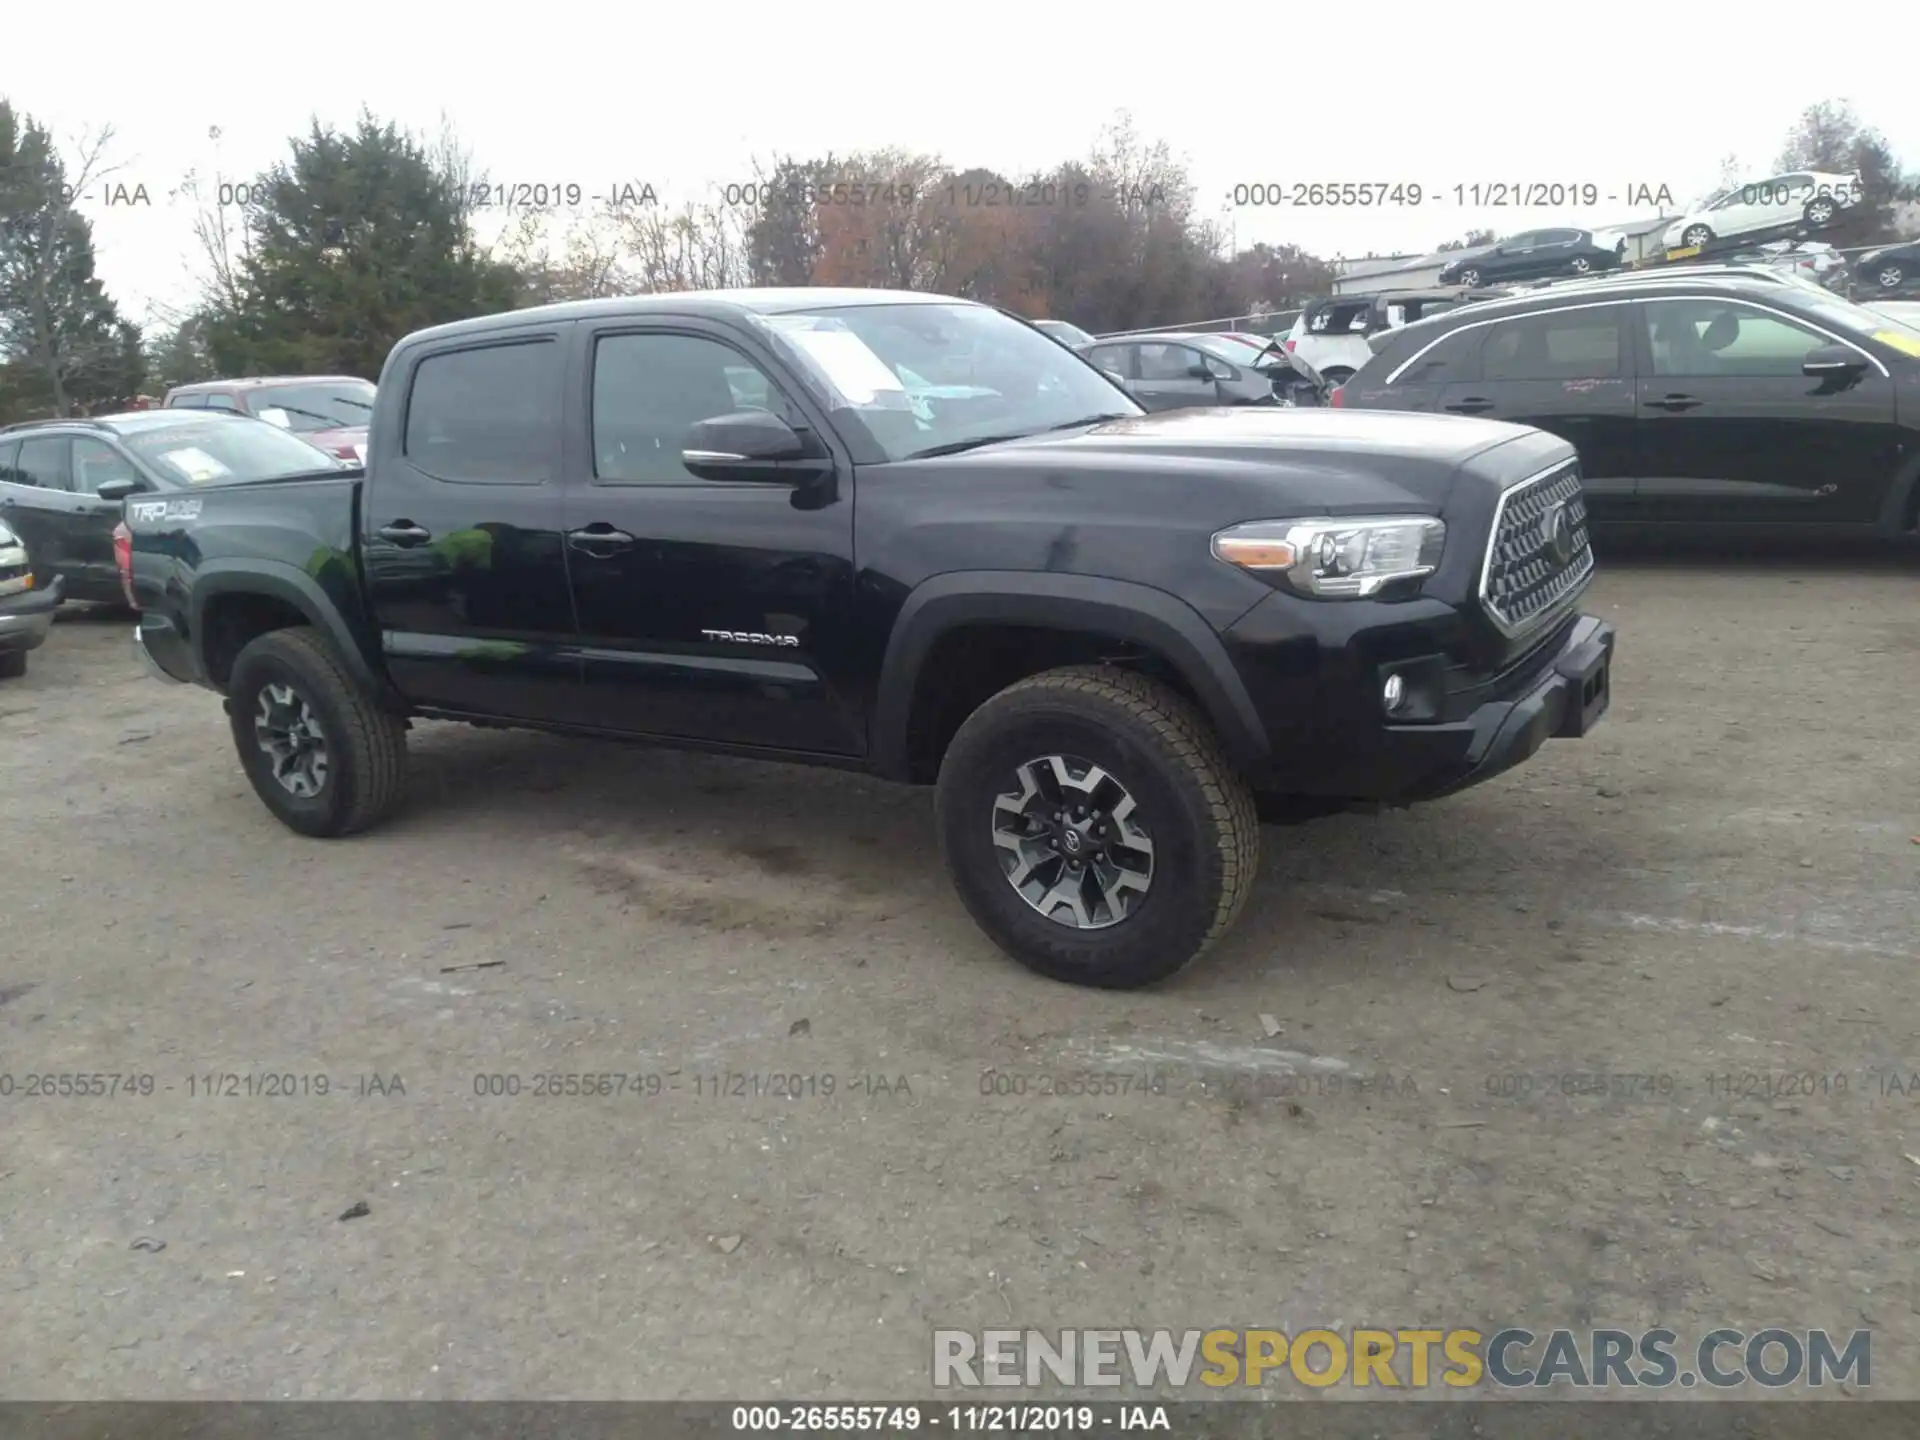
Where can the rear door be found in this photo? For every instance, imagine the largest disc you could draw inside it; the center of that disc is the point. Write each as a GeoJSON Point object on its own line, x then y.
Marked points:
{"type": "Point", "coordinates": [1568, 371]}
{"type": "Point", "coordinates": [466, 572]}
{"type": "Point", "coordinates": [711, 610]}
{"type": "Point", "coordinates": [1731, 431]}
{"type": "Point", "coordinates": [37, 502]}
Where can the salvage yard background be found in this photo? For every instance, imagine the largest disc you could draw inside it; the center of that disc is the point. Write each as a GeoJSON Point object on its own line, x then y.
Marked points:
{"type": "Point", "coordinates": [1718, 887]}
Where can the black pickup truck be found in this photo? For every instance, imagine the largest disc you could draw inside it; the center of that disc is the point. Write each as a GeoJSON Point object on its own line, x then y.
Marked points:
{"type": "Point", "coordinates": [908, 535]}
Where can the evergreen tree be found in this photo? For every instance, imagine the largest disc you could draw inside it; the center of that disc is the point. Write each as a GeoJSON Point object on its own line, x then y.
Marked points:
{"type": "Point", "coordinates": [360, 240]}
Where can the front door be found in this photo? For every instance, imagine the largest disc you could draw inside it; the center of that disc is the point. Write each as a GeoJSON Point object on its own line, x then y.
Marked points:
{"type": "Point", "coordinates": [1568, 371]}
{"type": "Point", "coordinates": [1731, 431]}
{"type": "Point", "coordinates": [90, 528]}
{"type": "Point", "coordinates": [708, 610]}
{"type": "Point", "coordinates": [1167, 379]}
{"type": "Point", "coordinates": [460, 516]}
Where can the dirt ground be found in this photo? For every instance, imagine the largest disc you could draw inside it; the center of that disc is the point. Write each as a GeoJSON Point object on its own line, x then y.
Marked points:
{"type": "Point", "coordinates": [1708, 911]}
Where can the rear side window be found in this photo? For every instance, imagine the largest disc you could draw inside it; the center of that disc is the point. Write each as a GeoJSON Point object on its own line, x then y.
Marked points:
{"type": "Point", "coordinates": [195, 401]}
{"type": "Point", "coordinates": [1111, 357]}
{"type": "Point", "coordinates": [1455, 360]}
{"type": "Point", "coordinates": [1341, 319]}
{"type": "Point", "coordinates": [221, 402]}
{"type": "Point", "coordinates": [1559, 345]}
{"type": "Point", "coordinates": [486, 416]}
{"type": "Point", "coordinates": [43, 463]}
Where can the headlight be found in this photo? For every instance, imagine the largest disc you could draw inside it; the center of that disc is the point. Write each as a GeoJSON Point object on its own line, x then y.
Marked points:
{"type": "Point", "coordinates": [1335, 559]}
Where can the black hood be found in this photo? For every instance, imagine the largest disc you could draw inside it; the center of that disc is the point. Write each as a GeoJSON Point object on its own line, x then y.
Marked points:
{"type": "Point", "coordinates": [1257, 458]}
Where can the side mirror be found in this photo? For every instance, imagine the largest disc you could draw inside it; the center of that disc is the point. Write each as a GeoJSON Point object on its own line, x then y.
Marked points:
{"type": "Point", "coordinates": [1828, 360]}
{"type": "Point", "coordinates": [1199, 370]}
{"type": "Point", "coordinates": [750, 445]}
{"type": "Point", "coordinates": [1117, 378]}
{"type": "Point", "coordinates": [116, 489]}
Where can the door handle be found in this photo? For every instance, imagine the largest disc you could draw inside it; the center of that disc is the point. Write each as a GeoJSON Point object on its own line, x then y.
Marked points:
{"type": "Point", "coordinates": [1472, 405]}
{"type": "Point", "coordinates": [1675, 402]}
{"type": "Point", "coordinates": [404, 532]}
{"type": "Point", "coordinates": [598, 535]}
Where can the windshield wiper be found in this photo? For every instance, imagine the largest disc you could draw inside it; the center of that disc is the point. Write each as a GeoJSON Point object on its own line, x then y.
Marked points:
{"type": "Point", "coordinates": [955, 447]}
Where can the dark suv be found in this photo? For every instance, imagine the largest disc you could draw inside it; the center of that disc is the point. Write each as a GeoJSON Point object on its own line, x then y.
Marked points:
{"type": "Point", "coordinates": [62, 481]}
{"type": "Point", "coordinates": [1705, 399]}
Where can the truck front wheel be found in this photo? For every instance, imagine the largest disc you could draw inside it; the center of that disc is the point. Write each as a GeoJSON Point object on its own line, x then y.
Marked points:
{"type": "Point", "coordinates": [321, 754]}
{"type": "Point", "coordinates": [1094, 828]}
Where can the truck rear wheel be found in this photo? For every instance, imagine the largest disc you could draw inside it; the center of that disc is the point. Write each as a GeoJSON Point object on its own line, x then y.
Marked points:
{"type": "Point", "coordinates": [1094, 828]}
{"type": "Point", "coordinates": [321, 754]}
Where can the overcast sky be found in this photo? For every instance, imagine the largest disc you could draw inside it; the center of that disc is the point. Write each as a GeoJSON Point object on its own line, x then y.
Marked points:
{"type": "Point", "coordinates": [684, 97]}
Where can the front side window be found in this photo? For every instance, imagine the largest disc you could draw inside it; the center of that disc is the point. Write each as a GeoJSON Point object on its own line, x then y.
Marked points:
{"type": "Point", "coordinates": [1451, 362]}
{"type": "Point", "coordinates": [485, 416]}
{"type": "Point", "coordinates": [95, 463]}
{"type": "Point", "coordinates": [1712, 337]}
{"type": "Point", "coordinates": [650, 390]}
{"type": "Point", "coordinates": [938, 377]}
{"type": "Point", "coordinates": [1167, 362]}
{"type": "Point", "coordinates": [1559, 345]}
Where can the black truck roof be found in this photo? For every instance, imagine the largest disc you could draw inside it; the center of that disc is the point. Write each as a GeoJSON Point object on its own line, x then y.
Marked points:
{"type": "Point", "coordinates": [711, 303]}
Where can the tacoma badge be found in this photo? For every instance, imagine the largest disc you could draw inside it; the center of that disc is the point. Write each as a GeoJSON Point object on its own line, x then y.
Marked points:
{"type": "Point", "coordinates": [750, 637]}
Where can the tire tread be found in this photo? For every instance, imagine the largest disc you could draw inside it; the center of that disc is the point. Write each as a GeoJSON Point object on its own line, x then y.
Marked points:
{"type": "Point", "coordinates": [1189, 742]}
{"type": "Point", "coordinates": [376, 739]}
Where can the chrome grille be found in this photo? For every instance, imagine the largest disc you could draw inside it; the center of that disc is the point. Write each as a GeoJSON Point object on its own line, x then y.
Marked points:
{"type": "Point", "coordinates": [1524, 581]}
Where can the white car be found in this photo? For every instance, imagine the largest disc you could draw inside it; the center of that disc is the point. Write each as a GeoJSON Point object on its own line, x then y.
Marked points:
{"type": "Point", "coordinates": [1803, 197]}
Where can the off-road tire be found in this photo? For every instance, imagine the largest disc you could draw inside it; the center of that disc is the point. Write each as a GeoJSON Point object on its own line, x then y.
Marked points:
{"type": "Point", "coordinates": [366, 745]}
{"type": "Point", "coordinates": [1191, 800]}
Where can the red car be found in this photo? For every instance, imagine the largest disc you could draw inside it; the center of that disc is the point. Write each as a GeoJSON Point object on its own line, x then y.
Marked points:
{"type": "Point", "coordinates": [330, 411]}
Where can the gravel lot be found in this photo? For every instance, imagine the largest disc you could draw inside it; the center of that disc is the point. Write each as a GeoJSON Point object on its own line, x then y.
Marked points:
{"type": "Point", "coordinates": [1715, 889]}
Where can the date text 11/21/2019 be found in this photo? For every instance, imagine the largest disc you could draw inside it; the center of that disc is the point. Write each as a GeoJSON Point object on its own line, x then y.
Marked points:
{"type": "Point", "coordinates": [1477, 195]}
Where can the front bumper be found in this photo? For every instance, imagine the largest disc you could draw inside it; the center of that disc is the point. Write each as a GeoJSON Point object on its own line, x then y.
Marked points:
{"type": "Point", "coordinates": [26, 618]}
{"type": "Point", "coordinates": [1318, 696]}
{"type": "Point", "coordinates": [1566, 702]}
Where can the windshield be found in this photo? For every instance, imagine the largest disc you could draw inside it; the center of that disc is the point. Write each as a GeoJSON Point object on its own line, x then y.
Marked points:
{"type": "Point", "coordinates": [221, 452]}
{"type": "Point", "coordinates": [1861, 319]}
{"type": "Point", "coordinates": [332, 406]}
{"type": "Point", "coordinates": [1061, 330]}
{"type": "Point", "coordinates": [926, 377]}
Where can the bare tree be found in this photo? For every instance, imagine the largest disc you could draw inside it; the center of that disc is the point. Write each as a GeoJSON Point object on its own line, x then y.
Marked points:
{"type": "Point", "coordinates": [56, 316]}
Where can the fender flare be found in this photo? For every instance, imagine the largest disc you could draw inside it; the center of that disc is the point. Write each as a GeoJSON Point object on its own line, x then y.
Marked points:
{"type": "Point", "coordinates": [1122, 609]}
{"type": "Point", "coordinates": [282, 581]}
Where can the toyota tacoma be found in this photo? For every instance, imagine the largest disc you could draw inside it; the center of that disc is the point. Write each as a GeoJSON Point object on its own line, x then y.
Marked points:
{"type": "Point", "coordinates": [907, 535]}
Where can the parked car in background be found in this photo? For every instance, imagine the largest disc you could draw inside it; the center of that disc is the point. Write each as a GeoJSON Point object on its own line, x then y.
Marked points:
{"type": "Point", "coordinates": [1330, 334]}
{"type": "Point", "coordinates": [62, 481]}
{"type": "Point", "coordinates": [1780, 202]}
{"type": "Point", "coordinates": [1717, 401]}
{"type": "Point", "coordinates": [1533, 254]}
{"type": "Point", "coordinates": [1181, 370]}
{"type": "Point", "coordinates": [27, 604]}
{"type": "Point", "coordinates": [1891, 267]}
{"type": "Point", "coordinates": [331, 411]}
{"type": "Point", "coordinates": [1071, 335]}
